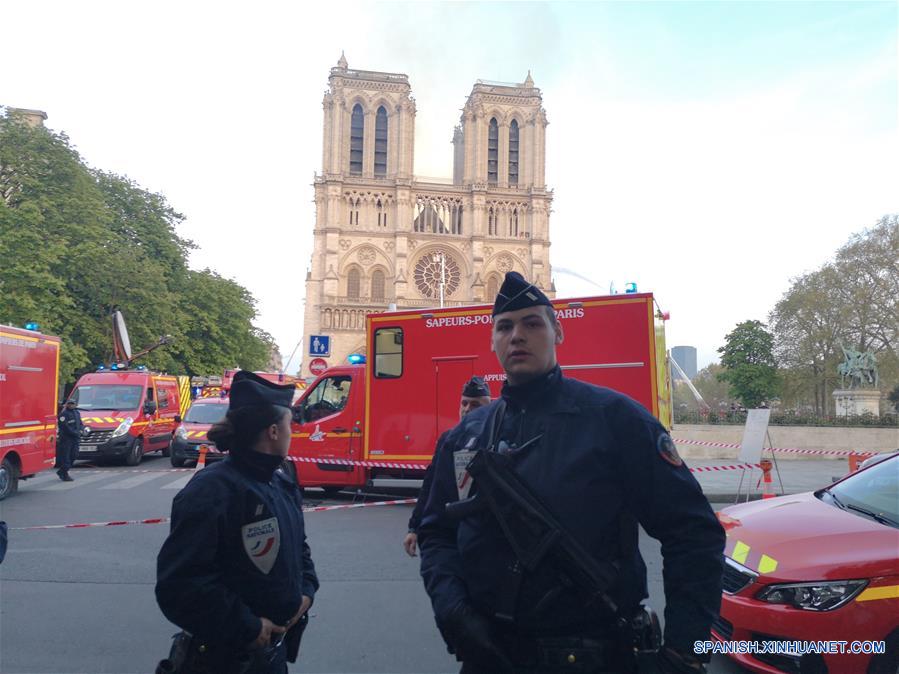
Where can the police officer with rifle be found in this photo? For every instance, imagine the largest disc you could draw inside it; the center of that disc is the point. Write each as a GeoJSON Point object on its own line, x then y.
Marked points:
{"type": "Point", "coordinates": [236, 573]}
{"type": "Point", "coordinates": [529, 536]}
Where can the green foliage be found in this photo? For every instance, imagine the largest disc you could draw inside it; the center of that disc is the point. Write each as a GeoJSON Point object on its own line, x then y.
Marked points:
{"type": "Point", "coordinates": [780, 418]}
{"type": "Point", "coordinates": [78, 243]}
{"type": "Point", "coordinates": [852, 299]}
{"type": "Point", "coordinates": [893, 397]}
{"type": "Point", "coordinates": [748, 361]}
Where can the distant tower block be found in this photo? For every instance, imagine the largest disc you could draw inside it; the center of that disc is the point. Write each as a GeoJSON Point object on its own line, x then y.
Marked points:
{"type": "Point", "coordinates": [686, 358]}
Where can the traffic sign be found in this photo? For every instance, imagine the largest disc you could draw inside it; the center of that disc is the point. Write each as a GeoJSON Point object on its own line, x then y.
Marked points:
{"type": "Point", "coordinates": [318, 365]}
{"type": "Point", "coordinates": [319, 345]}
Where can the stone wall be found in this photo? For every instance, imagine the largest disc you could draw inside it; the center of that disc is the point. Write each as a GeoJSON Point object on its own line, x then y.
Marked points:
{"type": "Point", "coordinates": [803, 437]}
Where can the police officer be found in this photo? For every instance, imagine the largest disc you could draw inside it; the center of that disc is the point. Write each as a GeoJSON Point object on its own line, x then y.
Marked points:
{"type": "Point", "coordinates": [601, 464]}
{"type": "Point", "coordinates": [475, 394]}
{"type": "Point", "coordinates": [68, 438]}
{"type": "Point", "coordinates": [236, 571]}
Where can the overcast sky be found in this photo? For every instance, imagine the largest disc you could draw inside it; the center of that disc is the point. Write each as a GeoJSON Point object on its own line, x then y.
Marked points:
{"type": "Point", "coordinates": [707, 151]}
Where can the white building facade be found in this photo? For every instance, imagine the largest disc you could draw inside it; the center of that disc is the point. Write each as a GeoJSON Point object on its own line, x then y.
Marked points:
{"type": "Point", "coordinates": [384, 237]}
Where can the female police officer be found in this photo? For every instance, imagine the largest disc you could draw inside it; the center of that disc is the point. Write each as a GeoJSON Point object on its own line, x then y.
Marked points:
{"type": "Point", "coordinates": [236, 572]}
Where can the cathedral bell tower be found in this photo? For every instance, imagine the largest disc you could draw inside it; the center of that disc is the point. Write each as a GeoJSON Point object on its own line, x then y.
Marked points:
{"type": "Point", "coordinates": [385, 238]}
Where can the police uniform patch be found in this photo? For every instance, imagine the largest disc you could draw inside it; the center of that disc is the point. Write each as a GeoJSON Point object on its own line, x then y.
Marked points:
{"type": "Point", "coordinates": [668, 450]}
{"type": "Point", "coordinates": [461, 459]}
{"type": "Point", "coordinates": [261, 542]}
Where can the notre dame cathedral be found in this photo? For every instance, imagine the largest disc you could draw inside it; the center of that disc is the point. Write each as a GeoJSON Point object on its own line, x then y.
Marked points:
{"type": "Point", "coordinates": [385, 239]}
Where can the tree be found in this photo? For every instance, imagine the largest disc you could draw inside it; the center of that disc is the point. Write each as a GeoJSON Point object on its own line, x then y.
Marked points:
{"type": "Point", "coordinates": [852, 300]}
{"type": "Point", "coordinates": [894, 397]}
{"type": "Point", "coordinates": [749, 366]}
{"type": "Point", "coordinates": [77, 243]}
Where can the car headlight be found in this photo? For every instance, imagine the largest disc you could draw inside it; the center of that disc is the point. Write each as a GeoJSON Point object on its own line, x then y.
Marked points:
{"type": "Point", "coordinates": [123, 428]}
{"type": "Point", "coordinates": [818, 596]}
{"type": "Point", "coordinates": [181, 433]}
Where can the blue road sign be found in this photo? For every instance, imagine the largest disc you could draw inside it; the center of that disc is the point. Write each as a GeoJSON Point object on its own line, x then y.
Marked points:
{"type": "Point", "coordinates": [320, 345]}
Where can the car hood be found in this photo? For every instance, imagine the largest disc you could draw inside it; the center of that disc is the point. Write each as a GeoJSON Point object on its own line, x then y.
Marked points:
{"type": "Point", "coordinates": [806, 539]}
{"type": "Point", "coordinates": [194, 430]}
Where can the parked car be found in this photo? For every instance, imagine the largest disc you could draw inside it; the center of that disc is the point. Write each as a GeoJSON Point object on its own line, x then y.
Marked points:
{"type": "Point", "coordinates": [191, 434]}
{"type": "Point", "coordinates": [817, 566]}
{"type": "Point", "coordinates": [877, 458]}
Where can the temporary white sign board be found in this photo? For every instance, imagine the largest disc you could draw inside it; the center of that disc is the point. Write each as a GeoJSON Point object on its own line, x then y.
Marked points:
{"type": "Point", "coordinates": [754, 435]}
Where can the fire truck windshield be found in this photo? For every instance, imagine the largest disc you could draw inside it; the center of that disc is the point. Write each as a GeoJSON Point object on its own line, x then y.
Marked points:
{"type": "Point", "coordinates": [206, 414]}
{"type": "Point", "coordinates": [107, 397]}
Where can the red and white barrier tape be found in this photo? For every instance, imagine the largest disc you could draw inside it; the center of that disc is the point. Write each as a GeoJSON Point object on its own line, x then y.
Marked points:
{"type": "Point", "coordinates": [736, 466]}
{"type": "Point", "coordinates": [115, 523]}
{"type": "Point", "coordinates": [792, 450]}
{"type": "Point", "coordinates": [164, 520]}
{"type": "Point", "coordinates": [364, 464]}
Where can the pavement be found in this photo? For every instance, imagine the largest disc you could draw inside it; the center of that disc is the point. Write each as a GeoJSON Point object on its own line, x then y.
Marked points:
{"type": "Point", "coordinates": [789, 477]}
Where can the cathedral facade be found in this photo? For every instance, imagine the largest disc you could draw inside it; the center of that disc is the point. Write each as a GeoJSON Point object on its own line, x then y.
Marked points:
{"type": "Point", "coordinates": [385, 239]}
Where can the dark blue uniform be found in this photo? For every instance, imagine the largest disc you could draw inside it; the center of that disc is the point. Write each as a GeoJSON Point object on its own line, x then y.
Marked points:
{"type": "Point", "coordinates": [68, 437]}
{"type": "Point", "coordinates": [601, 465]}
{"type": "Point", "coordinates": [415, 518]}
{"type": "Point", "coordinates": [237, 551]}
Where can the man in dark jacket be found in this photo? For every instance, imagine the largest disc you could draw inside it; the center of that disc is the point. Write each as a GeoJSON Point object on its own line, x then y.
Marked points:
{"type": "Point", "coordinates": [475, 394]}
{"type": "Point", "coordinates": [68, 438]}
{"type": "Point", "coordinates": [601, 464]}
{"type": "Point", "coordinates": [236, 571]}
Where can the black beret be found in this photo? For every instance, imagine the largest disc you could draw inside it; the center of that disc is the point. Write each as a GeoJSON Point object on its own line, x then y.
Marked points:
{"type": "Point", "coordinates": [250, 389]}
{"type": "Point", "coordinates": [475, 388]}
{"type": "Point", "coordinates": [516, 293]}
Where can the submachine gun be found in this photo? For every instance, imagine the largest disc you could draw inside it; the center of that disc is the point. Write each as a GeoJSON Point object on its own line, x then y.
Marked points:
{"type": "Point", "coordinates": [535, 536]}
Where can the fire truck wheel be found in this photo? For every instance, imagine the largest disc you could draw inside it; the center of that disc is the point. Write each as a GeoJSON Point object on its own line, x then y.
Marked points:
{"type": "Point", "coordinates": [136, 453]}
{"type": "Point", "coordinates": [167, 450]}
{"type": "Point", "coordinates": [9, 478]}
{"type": "Point", "coordinates": [177, 463]}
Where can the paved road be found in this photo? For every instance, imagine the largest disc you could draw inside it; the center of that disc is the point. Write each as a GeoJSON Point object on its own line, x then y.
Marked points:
{"type": "Point", "coordinates": [81, 600]}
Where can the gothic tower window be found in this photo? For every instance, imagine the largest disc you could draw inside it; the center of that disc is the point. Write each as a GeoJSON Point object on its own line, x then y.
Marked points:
{"type": "Point", "coordinates": [381, 142]}
{"type": "Point", "coordinates": [513, 223]}
{"type": "Point", "coordinates": [513, 153]}
{"type": "Point", "coordinates": [357, 131]}
{"type": "Point", "coordinates": [491, 221]}
{"type": "Point", "coordinates": [353, 281]}
{"type": "Point", "coordinates": [377, 285]}
{"type": "Point", "coordinates": [492, 151]}
{"type": "Point", "coordinates": [492, 288]}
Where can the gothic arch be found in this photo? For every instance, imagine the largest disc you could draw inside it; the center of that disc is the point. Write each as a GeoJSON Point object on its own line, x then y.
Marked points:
{"type": "Point", "coordinates": [350, 258]}
{"type": "Point", "coordinates": [352, 280]}
{"type": "Point", "coordinates": [385, 283]}
{"type": "Point", "coordinates": [492, 265]}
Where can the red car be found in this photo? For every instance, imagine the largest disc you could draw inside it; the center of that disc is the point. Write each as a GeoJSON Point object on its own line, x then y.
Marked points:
{"type": "Point", "coordinates": [816, 567]}
{"type": "Point", "coordinates": [191, 434]}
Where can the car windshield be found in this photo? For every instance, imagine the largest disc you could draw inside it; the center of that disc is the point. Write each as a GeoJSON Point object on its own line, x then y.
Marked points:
{"type": "Point", "coordinates": [873, 492]}
{"type": "Point", "coordinates": [206, 413]}
{"type": "Point", "coordinates": [107, 397]}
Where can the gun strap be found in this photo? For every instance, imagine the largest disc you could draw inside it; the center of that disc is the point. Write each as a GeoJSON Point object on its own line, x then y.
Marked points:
{"type": "Point", "coordinates": [494, 425]}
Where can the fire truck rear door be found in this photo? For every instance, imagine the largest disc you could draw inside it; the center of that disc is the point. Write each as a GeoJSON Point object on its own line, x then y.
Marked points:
{"type": "Point", "coordinates": [451, 373]}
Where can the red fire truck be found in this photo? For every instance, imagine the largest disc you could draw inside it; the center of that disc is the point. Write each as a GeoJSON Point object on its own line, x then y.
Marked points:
{"type": "Point", "coordinates": [127, 413]}
{"type": "Point", "coordinates": [393, 408]}
{"type": "Point", "coordinates": [29, 385]}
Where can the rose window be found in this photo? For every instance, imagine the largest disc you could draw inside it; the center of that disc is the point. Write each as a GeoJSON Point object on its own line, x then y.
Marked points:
{"type": "Point", "coordinates": [431, 268]}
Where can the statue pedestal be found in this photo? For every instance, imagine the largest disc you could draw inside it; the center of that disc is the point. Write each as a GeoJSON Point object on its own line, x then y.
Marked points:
{"type": "Point", "coordinates": [857, 401]}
